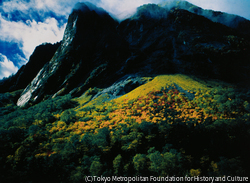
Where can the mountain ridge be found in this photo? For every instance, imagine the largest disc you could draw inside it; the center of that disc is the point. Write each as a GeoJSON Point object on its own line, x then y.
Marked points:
{"type": "Point", "coordinates": [155, 40]}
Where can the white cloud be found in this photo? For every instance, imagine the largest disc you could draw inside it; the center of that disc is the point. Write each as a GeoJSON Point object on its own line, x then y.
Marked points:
{"type": "Point", "coordinates": [6, 67]}
{"type": "Point", "coordinates": [9, 6]}
{"type": "Point", "coordinates": [59, 7]}
{"type": "Point", "coordinates": [31, 34]}
{"type": "Point", "coordinates": [123, 8]}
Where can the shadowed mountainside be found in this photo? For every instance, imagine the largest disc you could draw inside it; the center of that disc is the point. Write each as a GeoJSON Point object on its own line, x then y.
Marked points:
{"type": "Point", "coordinates": [41, 55]}
{"type": "Point", "coordinates": [234, 21]}
{"type": "Point", "coordinates": [96, 50]}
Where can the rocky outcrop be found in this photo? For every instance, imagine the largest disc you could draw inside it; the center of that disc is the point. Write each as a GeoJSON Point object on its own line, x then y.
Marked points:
{"type": "Point", "coordinates": [122, 86]}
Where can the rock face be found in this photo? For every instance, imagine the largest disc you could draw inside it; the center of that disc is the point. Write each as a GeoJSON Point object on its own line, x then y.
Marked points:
{"type": "Point", "coordinates": [122, 86]}
{"type": "Point", "coordinates": [96, 50]}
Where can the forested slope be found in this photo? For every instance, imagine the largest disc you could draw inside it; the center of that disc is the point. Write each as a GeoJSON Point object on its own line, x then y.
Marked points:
{"type": "Point", "coordinates": [173, 125]}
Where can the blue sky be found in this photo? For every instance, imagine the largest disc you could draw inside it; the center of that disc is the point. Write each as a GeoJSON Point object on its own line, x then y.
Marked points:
{"type": "Point", "coordinates": [25, 24]}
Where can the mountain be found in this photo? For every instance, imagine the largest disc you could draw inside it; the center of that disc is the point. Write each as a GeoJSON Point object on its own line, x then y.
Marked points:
{"type": "Point", "coordinates": [163, 93]}
{"type": "Point", "coordinates": [96, 50]}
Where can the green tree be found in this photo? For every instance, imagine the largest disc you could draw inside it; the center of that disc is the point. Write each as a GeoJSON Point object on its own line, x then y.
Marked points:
{"type": "Point", "coordinates": [68, 116]}
{"type": "Point", "coordinates": [96, 168]}
{"type": "Point", "coordinates": [117, 164]}
{"type": "Point", "coordinates": [169, 163]}
{"type": "Point", "coordinates": [77, 175]}
{"type": "Point", "coordinates": [155, 162]}
{"type": "Point", "coordinates": [140, 163]}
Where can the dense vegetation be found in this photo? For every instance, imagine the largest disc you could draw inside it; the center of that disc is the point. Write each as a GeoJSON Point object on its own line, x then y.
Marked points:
{"type": "Point", "coordinates": [172, 125]}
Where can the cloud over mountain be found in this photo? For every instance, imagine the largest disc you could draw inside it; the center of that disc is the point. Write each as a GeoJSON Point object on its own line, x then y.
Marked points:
{"type": "Point", "coordinates": [6, 67]}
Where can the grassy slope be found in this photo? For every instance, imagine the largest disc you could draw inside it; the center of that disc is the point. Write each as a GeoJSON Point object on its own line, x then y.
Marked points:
{"type": "Point", "coordinates": [187, 83]}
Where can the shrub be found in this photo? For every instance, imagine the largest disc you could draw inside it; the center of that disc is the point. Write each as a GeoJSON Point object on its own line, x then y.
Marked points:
{"type": "Point", "coordinates": [68, 116]}
{"type": "Point", "coordinates": [33, 129]}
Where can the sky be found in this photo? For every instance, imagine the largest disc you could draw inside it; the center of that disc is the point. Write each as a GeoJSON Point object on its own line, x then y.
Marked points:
{"type": "Point", "coordinates": [25, 24]}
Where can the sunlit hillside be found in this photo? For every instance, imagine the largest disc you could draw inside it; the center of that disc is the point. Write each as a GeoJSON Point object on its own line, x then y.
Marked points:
{"type": "Point", "coordinates": [174, 125]}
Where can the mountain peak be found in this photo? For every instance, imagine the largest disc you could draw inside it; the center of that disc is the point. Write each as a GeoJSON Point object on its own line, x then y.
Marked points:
{"type": "Point", "coordinates": [88, 7]}
{"type": "Point", "coordinates": [150, 11]}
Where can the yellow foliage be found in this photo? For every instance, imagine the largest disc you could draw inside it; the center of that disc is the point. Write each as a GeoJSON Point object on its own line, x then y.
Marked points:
{"type": "Point", "coordinates": [156, 101]}
{"type": "Point", "coordinates": [214, 166]}
{"type": "Point", "coordinates": [195, 172]}
{"type": "Point", "coordinates": [164, 81]}
{"type": "Point", "coordinates": [98, 101]}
